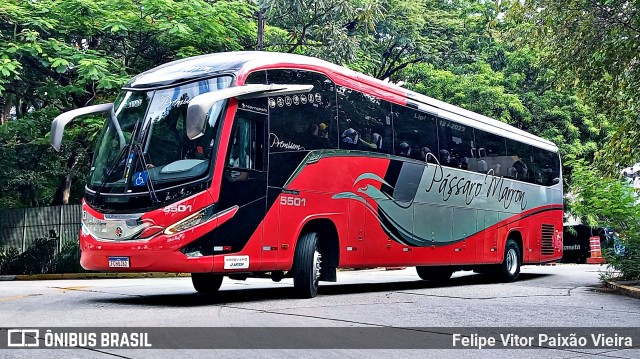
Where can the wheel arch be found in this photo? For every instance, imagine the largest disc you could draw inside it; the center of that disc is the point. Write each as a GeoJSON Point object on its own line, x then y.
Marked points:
{"type": "Point", "coordinates": [516, 236]}
{"type": "Point", "coordinates": [328, 241]}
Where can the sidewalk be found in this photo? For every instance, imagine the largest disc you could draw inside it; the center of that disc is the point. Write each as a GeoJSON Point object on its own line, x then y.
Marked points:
{"type": "Point", "coordinates": [91, 276]}
{"type": "Point", "coordinates": [629, 288]}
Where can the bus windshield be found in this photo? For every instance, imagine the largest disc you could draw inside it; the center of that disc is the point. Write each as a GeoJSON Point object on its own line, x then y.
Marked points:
{"type": "Point", "coordinates": [147, 142]}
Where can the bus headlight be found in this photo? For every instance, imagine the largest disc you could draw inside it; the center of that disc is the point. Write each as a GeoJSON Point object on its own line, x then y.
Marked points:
{"type": "Point", "coordinates": [193, 220]}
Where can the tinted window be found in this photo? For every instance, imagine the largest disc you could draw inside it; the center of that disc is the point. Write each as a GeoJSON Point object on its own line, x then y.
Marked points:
{"type": "Point", "coordinates": [258, 105]}
{"type": "Point", "coordinates": [246, 145]}
{"type": "Point", "coordinates": [546, 167]}
{"type": "Point", "coordinates": [258, 77]}
{"type": "Point", "coordinates": [304, 121]}
{"type": "Point", "coordinates": [455, 141]}
{"type": "Point", "coordinates": [415, 134]}
{"type": "Point", "coordinates": [364, 122]}
{"type": "Point", "coordinates": [521, 160]}
{"type": "Point", "coordinates": [491, 154]}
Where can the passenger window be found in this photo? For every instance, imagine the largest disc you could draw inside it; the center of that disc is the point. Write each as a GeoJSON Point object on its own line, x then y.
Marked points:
{"type": "Point", "coordinates": [490, 153]}
{"type": "Point", "coordinates": [455, 143]}
{"type": "Point", "coordinates": [364, 122]}
{"type": "Point", "coordinates": [521, 161]}
{"type": "Point", "coordinates": [546, 167]}
{"type": "Point", "coordinates": [415, 134]}
{"type": "Point", "coordinates": [305, 121]}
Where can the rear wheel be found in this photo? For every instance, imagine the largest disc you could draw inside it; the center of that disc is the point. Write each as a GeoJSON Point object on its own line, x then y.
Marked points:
{"type": "Point", "coordinates": [435, 274]}
{"type": "Point", "coordinates": [206, 283]}
{"type": "Point", "coordinates": [509, 270]}
{"type": "Point", "coordinates": [306, 266]}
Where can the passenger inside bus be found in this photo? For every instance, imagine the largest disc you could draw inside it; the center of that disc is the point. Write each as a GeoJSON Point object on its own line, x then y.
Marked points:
{"type": "Point", "coordinates": [404, 150]}
{"type": "Point", "coordinates": [371, 141]}
{"type": "Point", "coordinates": [314, 138]}
{"type": "Point", "coordinates": [427, 155]}
{"type": "Point", "coordinates": [350, 138]}
{"type": "Point", "coordinates": [444, 158]}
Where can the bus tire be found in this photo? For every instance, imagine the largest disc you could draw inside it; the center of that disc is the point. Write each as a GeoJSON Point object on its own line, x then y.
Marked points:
{"type": "Point", "coordinates": [509, 270]}
{"type": "Point", "coordinates": [434, 274]}
{"type": "Point", "coordinates": [206, 283]}
{"type": "Point", "coordinates": [306, 266]}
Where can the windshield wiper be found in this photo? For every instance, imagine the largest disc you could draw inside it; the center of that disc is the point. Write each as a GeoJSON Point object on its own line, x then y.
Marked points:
{"type": "Point", "coordinates": [116, 163]}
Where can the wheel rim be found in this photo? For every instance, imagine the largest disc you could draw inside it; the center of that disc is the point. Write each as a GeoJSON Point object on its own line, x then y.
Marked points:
{"type": "Point", "coordinates": [317, 261]}
{"type": "Point", "coordinates": [512, 261]}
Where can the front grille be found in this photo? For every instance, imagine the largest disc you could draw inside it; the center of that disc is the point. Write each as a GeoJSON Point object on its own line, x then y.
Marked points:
{"type": "Point", "coordinates": [547, 239]}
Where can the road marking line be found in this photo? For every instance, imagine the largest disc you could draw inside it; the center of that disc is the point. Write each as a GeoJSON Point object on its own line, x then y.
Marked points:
{"type": "Point", "coordinates": [18, 297]}
{"type": "Point", "coordinates": [78, 288]}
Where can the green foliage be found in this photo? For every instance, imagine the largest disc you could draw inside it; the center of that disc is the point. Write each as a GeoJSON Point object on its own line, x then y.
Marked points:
{"type": "Point", "coordinates": [59, 55]}
{"type": "Point", "coordinates": [41, 257]}
{"type": "Point", "coordinates": [593, 45]}
{"type": "Point", "coordinates": [378, 37]}
{"type": "Point", "coordinates": [8, 257]}
{"type": "Point", "coordinates": [36, 259]}
{"type": "Point", "coordinates": [601, 201]}
{"type": "Point", "coordinates": [31, 170]}
{"type": "Point", "coordinates": [321, 28]}
{"type": "Point", "coordinates": [68, 260]}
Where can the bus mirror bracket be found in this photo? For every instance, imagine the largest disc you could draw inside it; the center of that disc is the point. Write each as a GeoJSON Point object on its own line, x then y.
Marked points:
{"type": "Point", "coordinates": [199, 106]}
{"type": "Point", "coordinates": [58, 124]}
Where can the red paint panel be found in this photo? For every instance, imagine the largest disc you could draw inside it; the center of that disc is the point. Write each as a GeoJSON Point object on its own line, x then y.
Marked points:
{"type": "Point", "coordinates": [223, 144]}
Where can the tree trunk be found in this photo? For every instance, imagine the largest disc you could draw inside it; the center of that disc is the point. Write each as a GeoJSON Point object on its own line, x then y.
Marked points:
{"type": "Point", "coordinates": [66, 191]}
{"type": "Point", "coordinates": [6, 109]}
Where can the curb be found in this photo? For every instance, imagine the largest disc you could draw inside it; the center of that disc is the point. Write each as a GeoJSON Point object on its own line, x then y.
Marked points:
{"type": "Point", "coordinates": [625, 288]}
{"type": "Point", "coordinates": [91, 276]}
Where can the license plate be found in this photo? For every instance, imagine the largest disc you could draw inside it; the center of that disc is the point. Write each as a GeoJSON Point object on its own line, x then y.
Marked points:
{"type": "Point", "coordinates": [118, 262]}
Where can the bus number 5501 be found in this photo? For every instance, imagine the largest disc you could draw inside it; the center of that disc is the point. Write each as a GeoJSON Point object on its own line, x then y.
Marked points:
{"type": "Point", "coordinates": [293, 201]}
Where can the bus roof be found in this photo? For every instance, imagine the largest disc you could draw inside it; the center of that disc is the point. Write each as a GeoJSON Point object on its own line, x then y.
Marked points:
{"type": "Point", "coordinates": [243, 62]}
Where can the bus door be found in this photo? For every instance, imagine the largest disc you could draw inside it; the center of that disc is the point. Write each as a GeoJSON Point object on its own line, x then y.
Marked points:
{"type": "Point", "coordinates": [244, 184]}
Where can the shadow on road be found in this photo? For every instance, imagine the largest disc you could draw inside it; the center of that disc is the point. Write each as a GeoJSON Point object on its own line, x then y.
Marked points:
{"type": "Point", "coordinates": [284, 293]}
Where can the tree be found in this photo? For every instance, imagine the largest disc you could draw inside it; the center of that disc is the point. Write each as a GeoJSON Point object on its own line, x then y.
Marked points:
{"type": "Point", "coordinates": [410, 32]}
{"type": "Point", "coordinates": [378, 37]}
{"type": "Point", "coordinates": [321, 28]}
{"type": "Point", "coordinates": [59, 55]}
{"type": "Point", "coordinates": [609, 203]}
{"type": "Point", "coordinates": [593, 44]}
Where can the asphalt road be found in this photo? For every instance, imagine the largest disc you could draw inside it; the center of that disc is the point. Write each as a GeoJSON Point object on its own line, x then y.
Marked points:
{"type": "Point", "coordinates": [545, 296]}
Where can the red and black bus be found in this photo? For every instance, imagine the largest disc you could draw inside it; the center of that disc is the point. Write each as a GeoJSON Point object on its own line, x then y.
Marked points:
{"type": "Point", "coordinates": [277, 165]}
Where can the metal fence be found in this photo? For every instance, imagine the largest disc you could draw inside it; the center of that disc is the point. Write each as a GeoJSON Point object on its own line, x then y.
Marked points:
{"type": "Point", "coordinates": [19, 228]}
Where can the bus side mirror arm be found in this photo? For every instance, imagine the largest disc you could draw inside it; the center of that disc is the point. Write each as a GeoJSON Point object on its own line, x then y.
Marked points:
{"type": "Point", "coordinates": [200, 106]}
{"type": "Point", "coordinates": [58, 124]}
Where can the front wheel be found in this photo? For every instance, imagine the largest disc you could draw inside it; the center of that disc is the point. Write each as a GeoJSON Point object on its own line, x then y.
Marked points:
{"type": "Point", "coordinates": [306, 266]}
{"type": "Point", "coordinates": [206, 283]}
{"type": "Point", "coordinates": [509, 270]}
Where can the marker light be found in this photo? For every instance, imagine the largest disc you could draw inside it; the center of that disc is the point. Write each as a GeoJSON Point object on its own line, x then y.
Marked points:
{"type": "Point", "coordinates": [197, 218]}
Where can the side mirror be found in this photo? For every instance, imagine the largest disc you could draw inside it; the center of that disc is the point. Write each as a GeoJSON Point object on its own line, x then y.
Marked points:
{"type": "Point", "coordinates": [57, 126]}
{"type": "Point", "coordinates": [200, 105]}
